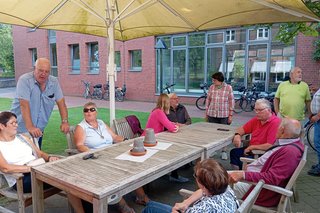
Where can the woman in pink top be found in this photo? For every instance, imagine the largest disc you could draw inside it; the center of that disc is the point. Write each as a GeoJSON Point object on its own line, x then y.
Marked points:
{"type": "Point", "coordinates": [158, 119]}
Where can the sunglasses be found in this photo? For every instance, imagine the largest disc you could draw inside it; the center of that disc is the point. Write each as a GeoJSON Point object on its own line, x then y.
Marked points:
{"type": "Point", "coordinates": [90, 109]}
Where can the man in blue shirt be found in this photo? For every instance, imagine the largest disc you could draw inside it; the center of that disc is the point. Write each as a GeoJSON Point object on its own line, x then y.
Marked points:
{"type": "Point", "coordinates": [36, 94]}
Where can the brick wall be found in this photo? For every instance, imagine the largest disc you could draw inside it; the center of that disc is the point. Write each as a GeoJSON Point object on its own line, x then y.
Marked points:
{"type": "Point", "coordinates": [310, 68]}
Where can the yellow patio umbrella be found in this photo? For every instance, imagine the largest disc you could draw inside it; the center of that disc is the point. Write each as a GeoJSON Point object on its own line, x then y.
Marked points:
{"type": "Point", "coordinates": [128, 19]}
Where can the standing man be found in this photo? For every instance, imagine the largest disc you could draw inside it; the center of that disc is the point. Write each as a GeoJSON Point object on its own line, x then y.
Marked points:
{"type": "Point", "coordinates": [293, 96]}
{"type": "Point", "coordinates": [179, 115]}
{"type": "Point", "coordinates": [315, 118]}
{"type": "Point", "coordinates": [36, 95]}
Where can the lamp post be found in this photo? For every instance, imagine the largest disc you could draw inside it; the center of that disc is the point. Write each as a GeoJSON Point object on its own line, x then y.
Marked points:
{"type": "Point", "coordinates": [160, 46]}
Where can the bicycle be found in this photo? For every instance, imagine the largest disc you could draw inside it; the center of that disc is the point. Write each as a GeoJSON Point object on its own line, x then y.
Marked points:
{"type": "Point", "coordinates": [239, 99]}
{"type": "Point", "coordinates": [120, 92]}
{"type": "Point", "coordinates": [97, 92]}
{"type": "Point", "coordinates": [168, 87]}
{"type": "Point", "coordinates": [86, 92]}
{"type": "Point", "coordinates": [309, 134]}
{"type": "Point", "coordinates": [201, 101]}
{"type": "Point", "coordinates": [250, 99]}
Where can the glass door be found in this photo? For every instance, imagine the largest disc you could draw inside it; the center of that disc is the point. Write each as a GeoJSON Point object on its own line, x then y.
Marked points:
{"type": "Point", "coordinates": [179, 69]}
{"type": "Point", "coordinates": [214, 62]}
{"type": "Point", "coordinates": [257, 65]}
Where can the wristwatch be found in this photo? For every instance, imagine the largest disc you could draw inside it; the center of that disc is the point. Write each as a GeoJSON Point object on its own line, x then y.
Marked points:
{"type": "Point", "coordinates": [64, 121]}
{"type": "Point", "coordinates": [236, 134]}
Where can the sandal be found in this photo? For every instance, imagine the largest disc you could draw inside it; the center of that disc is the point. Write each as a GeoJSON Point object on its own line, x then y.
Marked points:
{"type": "Point", "coordinates": [142, 200]}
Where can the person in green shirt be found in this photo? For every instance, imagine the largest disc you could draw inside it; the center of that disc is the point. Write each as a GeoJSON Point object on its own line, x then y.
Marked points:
{"type": "Point", "coordinates": [293, 97]}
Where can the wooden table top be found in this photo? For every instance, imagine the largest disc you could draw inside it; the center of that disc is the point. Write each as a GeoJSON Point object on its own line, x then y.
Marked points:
{"type": "Point", "coordinates": [202, 134]}
{"type": "Point", "coordinates": [105, 176]}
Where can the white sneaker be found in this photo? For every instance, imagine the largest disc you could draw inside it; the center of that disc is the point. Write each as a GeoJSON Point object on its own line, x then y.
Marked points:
{"type": "Point", "coordinates": [224, 156]}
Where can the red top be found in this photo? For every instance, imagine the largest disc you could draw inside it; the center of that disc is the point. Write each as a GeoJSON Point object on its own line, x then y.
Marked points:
{"type": "Point", "coordinates": [276, 171]}
{"type": "Point", "coordinates": [158, 121]}
{"type": "Point", "coordinates": [265, 133]}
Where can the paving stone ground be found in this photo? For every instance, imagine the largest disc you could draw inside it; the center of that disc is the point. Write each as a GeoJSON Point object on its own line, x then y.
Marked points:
{"type": "Point", "coordinates": [163, 190]}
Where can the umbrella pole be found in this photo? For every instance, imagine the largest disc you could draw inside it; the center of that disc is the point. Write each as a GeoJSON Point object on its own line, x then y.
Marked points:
{"type": "Point", "coordinates": [111, 65]}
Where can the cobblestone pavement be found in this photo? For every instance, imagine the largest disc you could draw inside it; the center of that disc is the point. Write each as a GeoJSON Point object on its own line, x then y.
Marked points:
{"type": "Point", "coordinates": [165, 191]}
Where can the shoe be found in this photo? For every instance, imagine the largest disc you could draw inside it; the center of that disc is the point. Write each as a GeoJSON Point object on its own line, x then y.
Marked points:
{"type": "Point", "coordinates": [224, 156]}
{"type": "Point", "coordinates": [315, 171]}
{"type": "Point", "coordinates": [180, 179]}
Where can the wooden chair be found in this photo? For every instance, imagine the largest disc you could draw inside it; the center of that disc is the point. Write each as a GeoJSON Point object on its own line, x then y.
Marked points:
{"type": "Point", "coordinates": [284, 204]}
{"type": "Point", "coordinates": [24, 199]}
{"type": "Point", "coordinates": [72, 149]}
{"type": "Point", "coordinates": [123, 128]}
{"type": "Point", "coordinates": [246, 205]}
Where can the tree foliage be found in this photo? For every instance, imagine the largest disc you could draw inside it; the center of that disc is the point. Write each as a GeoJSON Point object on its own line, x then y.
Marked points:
{"type": "Point", "coordinates": [6, 48]}
{"type": "Point", "coordinates": [288, 31]}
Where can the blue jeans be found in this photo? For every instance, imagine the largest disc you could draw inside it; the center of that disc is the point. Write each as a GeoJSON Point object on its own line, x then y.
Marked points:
{"type": "Point", "coordinates": [317, 138]}
{"type": "Point", "coordinates": [156, 207]}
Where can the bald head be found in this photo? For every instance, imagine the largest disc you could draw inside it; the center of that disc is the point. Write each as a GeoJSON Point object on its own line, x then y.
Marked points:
{"type": "Point", "coordinates": [42, 70]}
{"type": "Point", "coordinates": [289, 128]}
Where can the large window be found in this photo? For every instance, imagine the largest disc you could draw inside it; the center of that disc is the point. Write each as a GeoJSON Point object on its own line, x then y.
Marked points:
{"type": "Point", "coordinates": [93, 57]}
{"type": "Point", "coordinates": [246, 56]}
{"type": "Point", "coordinates": [135, 60]}
{"type": "Point", "coordinates": [117, 60]}
{"type": "Point", "coordinates": [75, 58]}
{"type": "Point", "coordinates": [34, 56]}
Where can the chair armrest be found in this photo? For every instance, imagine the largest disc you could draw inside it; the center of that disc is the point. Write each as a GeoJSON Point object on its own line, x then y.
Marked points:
{"type": "Point", "coordinates": [185, 193]}
{"type": "Point", "coordinates": [17, 175]}
{"type": "Point", "coordinates": [273, 188]}
{"type": "Point", "coordinates": [258, 152]}
{"type": "Point", "coordinates": [247, 160]}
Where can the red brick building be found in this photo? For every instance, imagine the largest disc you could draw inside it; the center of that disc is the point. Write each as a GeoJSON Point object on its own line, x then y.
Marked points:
{"type": "Point", "coordinates": [239, 53]}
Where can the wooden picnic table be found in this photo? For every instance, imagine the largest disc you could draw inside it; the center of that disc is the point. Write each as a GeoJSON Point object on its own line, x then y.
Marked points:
{"type": "Point", "coordinates": [203, 134]}
{"type": "Point", "coordinates": [96, 180]}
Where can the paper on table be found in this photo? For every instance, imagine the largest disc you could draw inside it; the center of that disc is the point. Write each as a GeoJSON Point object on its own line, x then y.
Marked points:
{"type": "Point", "coordinates": [159, 146]}
{"type": "Point", "coordinates": [128, 156]}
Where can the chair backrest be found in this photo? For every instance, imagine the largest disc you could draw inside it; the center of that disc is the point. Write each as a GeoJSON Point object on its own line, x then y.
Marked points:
{"type": "Point", "coordinates": [123, 128]}
{"type": "Point", "coordinates": [72, 149]}
{"type": "Point", "coordinates": [247, 204]}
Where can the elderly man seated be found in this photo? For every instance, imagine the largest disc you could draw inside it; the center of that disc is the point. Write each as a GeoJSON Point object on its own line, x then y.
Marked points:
{"type": "Point", "coordinates": [263, 128]}
{"type": "Point", "coordinates": [275, 167]}
{"type": "Point", "coordinates": [179, 115]}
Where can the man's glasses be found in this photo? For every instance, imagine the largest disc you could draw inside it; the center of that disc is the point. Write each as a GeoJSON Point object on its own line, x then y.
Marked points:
{"type": "Point", "coordinates": [92, 109]}
{"type": "Point", "coordinates": [259, 110]}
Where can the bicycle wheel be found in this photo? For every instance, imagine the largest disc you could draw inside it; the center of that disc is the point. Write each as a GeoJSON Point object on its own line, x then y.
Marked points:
{"type": "Point", "coordinates": [237, 106]}
{"type": "Point", "coordinates": [310, 136]}
{"type": "Point", "coordinates": [249, 106]}
{"type": "Point", "coordinates": [201, 102]}
{"type": "Point", "coordinates": [119, 96]}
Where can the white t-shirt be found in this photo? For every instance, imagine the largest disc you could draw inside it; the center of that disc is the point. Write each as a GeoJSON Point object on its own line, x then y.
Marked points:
{"type": "Point", "coordinates": [15, 152]}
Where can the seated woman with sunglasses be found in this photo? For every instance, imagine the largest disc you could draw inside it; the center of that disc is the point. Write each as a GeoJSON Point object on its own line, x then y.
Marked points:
{"type": "Point", "coordinates": [18, 154]}
{"type": "Point", "coordinates": [93, 133]}
{"type": "Point", "coordinates": [213, 195]}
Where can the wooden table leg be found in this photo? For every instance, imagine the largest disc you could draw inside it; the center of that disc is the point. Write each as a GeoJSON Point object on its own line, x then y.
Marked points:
{"type": "Point", "coordinates": [37, 194]}
{"type": "Point", "coordinates": [100, 206]}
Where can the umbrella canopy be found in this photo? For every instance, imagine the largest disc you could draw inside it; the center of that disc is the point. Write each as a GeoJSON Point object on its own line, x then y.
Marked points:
{"type": "Point", "coordinates": [128, 19]}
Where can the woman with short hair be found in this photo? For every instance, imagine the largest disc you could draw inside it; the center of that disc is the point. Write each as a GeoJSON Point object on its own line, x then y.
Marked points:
{"type": "Point", "coordinates": [214, 193]}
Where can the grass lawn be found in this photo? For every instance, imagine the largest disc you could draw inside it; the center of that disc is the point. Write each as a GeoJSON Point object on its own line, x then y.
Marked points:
{"type": "Point", "coordinates": [54, 142]}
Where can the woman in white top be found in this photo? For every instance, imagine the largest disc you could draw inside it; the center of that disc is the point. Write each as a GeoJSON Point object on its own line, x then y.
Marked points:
{"type": "Point", "coordinates": [93, 133]}
{"type": "Point", "coordinates": [17, 152]}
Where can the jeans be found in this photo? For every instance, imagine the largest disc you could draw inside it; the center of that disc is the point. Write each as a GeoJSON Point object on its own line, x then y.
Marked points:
{"type": "Point", "coordinates": [317, 138]}
{"type": "Point", "coordinates": [218, 120]}
{"type": "Point", "coordinates": [236, 154]}
{"type": "Point", "coordinates": [156, 207]}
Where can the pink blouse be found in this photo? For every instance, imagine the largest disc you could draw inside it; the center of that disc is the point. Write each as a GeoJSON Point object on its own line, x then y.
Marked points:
{"type": "Point", "coordinates": [158, 121]}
